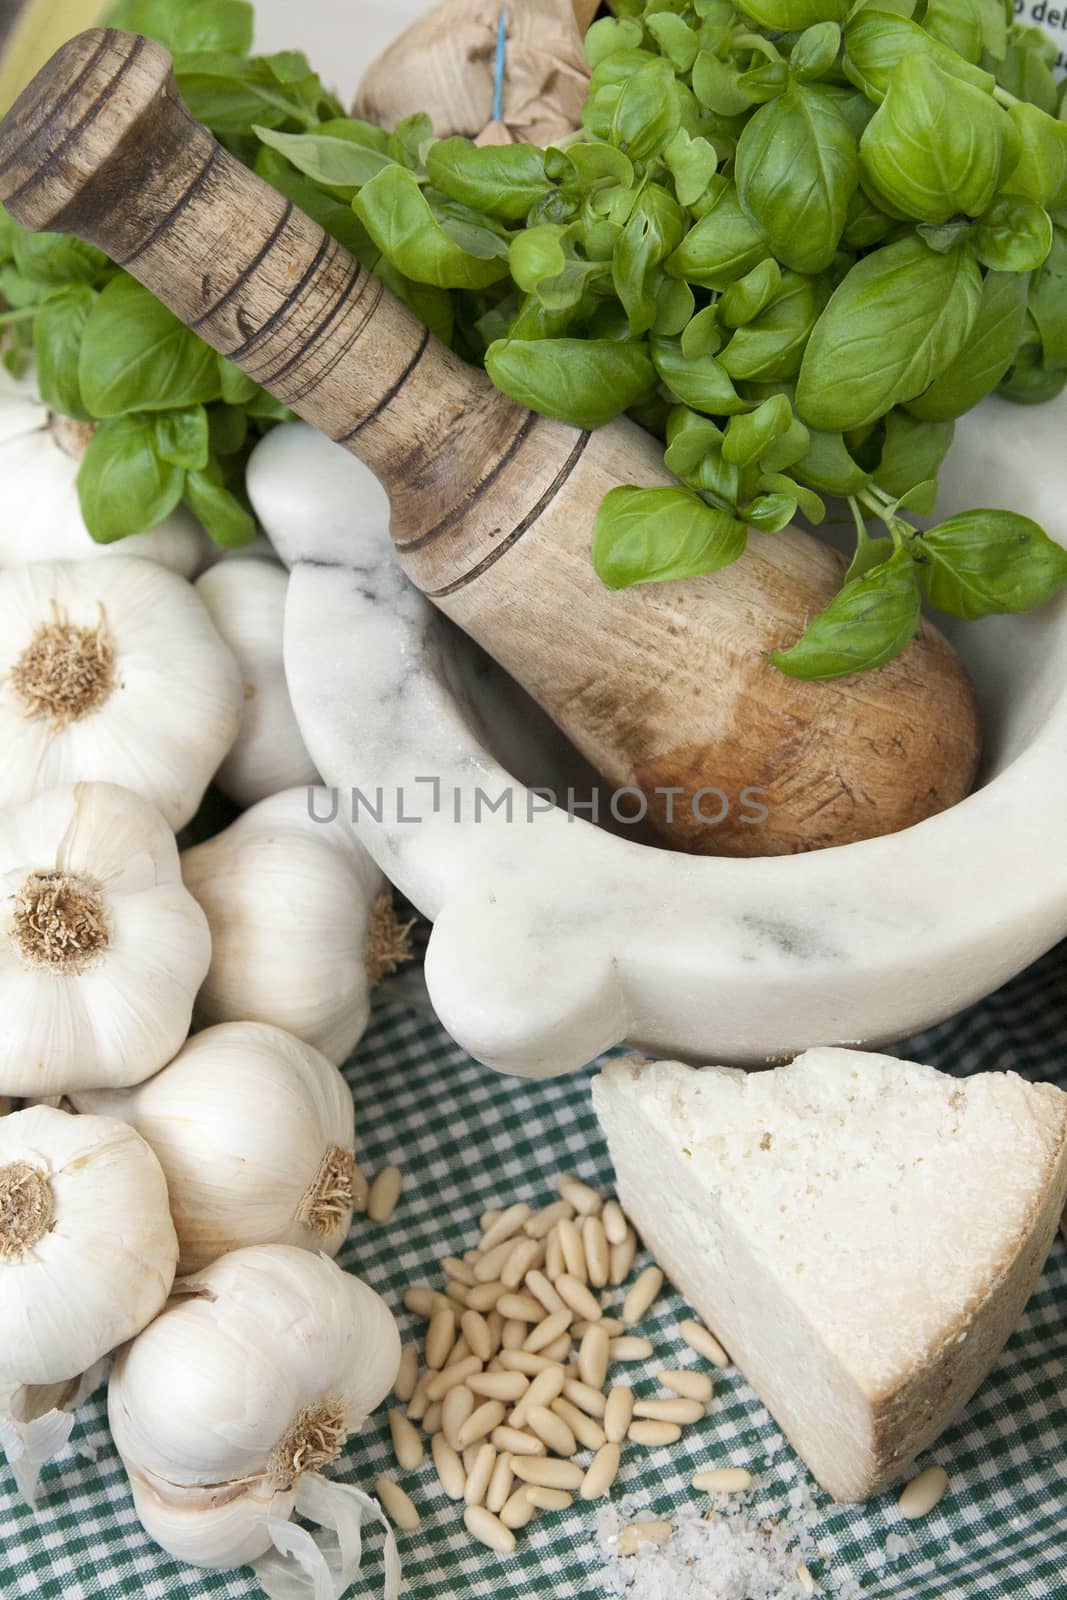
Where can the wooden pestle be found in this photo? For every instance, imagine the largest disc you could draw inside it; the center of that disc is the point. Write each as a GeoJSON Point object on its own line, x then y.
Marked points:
{"type": "Point", "coordinates": [663, 687]}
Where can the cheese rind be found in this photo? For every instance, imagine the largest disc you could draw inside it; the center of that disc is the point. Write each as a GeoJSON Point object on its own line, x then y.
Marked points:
{"type": "Point", "coordinates": [862, 1233]}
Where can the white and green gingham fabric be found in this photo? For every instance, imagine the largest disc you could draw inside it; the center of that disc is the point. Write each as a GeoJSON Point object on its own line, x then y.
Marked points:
{"type": "Point", "coordinates": [467, 1140]}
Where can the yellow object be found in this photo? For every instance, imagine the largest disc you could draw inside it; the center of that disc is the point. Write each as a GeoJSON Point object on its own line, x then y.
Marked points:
{"type": "Point", "coordinates": [43, 26]}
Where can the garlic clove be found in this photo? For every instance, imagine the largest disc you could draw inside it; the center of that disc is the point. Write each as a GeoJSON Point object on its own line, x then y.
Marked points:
{"type": "Point", "coordinates": [112, 671]}
{"type": "Point", "coordinates": [246, 602]}
{"type": "Point", "coordinates": [36, 1422]}
{"type": "Point", "coordinates": [255, 1133]}
{"type": "Point", "coordinates": [102, 949]}
{"type": "Point", "coordinates": [298, 921]}
{"type": "Point", "coordinates": [87, 1246]}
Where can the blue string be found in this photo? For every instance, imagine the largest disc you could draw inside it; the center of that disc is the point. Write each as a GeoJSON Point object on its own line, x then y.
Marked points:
{"type": "Point", "coordinates": [500, 69]}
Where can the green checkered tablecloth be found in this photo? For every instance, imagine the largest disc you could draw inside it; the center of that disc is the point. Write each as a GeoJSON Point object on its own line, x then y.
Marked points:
{"type": "Point", "coordinates": [468, 1139]}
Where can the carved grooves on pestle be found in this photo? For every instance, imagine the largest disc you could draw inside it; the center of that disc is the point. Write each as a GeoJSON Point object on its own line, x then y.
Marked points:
{"type": "Point", "coordinates": [390, 394]}
{"type": "Point", "coordinates": [184, 200]}
{"type": "Point", "coordinates": [474, 493]}
{"type": "Point", "coordinates": [246, 271]}
{"type": "Point", "coordinates": [57, 105]}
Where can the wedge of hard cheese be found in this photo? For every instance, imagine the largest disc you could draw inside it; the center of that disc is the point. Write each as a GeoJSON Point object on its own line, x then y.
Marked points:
{"type": "Point", "coordinates": [861, 1233]}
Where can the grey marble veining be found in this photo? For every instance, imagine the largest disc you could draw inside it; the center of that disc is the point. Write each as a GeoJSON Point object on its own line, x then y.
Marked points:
{"type": "Point", "coordinates": [553, 938]}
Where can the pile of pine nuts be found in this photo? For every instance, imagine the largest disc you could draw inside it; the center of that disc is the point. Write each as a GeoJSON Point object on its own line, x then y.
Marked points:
{"type": "Point", "coordinates": [512, 1385]}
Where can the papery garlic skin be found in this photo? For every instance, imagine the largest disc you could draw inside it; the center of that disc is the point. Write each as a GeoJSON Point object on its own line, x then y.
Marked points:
{"type": "Point", "coordinates": [40, 454]}
{"type": "Point", "coordinates": [258, 1370]}
{"type": "Point", "coordinates": [255, 1132]}
{"type": "Point", "coordinates": [87, 1247]}
{"type": "Point", "coordinates": [102, 949]}
{"type": "Point", "coordinates": [246, 602]}
{"type": "Point", "coordinates": [295, 908]}
{"type": "Point", "coordinates": [112, 671]}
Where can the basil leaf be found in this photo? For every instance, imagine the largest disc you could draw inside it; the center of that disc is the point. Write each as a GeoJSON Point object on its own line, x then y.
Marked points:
{"type": "Point", "coordinates": [771, 346]}
{"type": "Point", "coordinates": [58, 330]}
{"type": "Point", "coordinates": [692, 164]}
{"type": "Point", "coordinates": [137, 356]}
{"type": "Point", "coordinates": [203, 25]}
{"type": "Point", "coordinates": [610, 35]}
{"type": "Point", "coordinates": [123, 485]}
{"type": "Point", "coordinates": [227, 430]}
{"type": "Point", "coordinates": [982, 562]}
{"type": "Point", "coordinates": [1015, 235]}
{"type": "Point", "coordinates": [718, 85]}
{"type": "Point", "coordinates": [586, 382]}
{"type": "Point", "coordinates": [654, 230]}
{"type": "Point", "coordinates": [675, 37]}
{"type": "Point", "coordinates": [235, 386]}
{"type": "Point", "coordinates": [648, 112]}
{"type": "Point", "coordinates": [340, 161]}
{"type": "Point", "coordinates": [790, 16]}
{"type": "Point", "coordinates": [1025, 70]}
{"type": "Point", "coordinates": [721, 247]}
{"type": "Point", "coordinates": [815, 52]}
{"type": "Point", "coordinates": [871, 621]}
{"type": "Point", "coordinates": [912, 454]}
{"type": "Point", "coordinates": [749, 435]}
{"type": "Point", "coordinates": [900, 316]}
{"type": "Point", "coordinates": [702, 336]}
{"type": "Point", "coordinates": [222, 514]}
{"type": "Point", "coordinates": [770, 513]}
{"type": "Point", "coordinates": [876, 42]}
{"type": "Point", "coordinates": [505, 180]}
{"type": "Point", "coordinates": [700, 383]}
{"type": "Point", "coordinates": [987, 355]}
{"type": "Point", "coordinates": [57, 259]}
{"type": "Point", "coordinates": [829, 467]}
{"type": "Point", "coordinates": [745, 299]}
{"type": "Point", "coordinates": [397, 215]}
{"type": "Point", "coordinates": [797, 168]}
{"type": "Point", "coordinates": [808, 502]}
{"type": "Point", "coordinates": [183, 437]}
{"type": "Point", "coordinates": [653, 535]}
{"type": "Point", "coordinates": [1041, 171]}
{"type": "Point", "coordinates": [957, 24]}
{"type": "Point", "coordinates": [1048, 302]}
{"type": "Point", "coordinates": [689, 438]}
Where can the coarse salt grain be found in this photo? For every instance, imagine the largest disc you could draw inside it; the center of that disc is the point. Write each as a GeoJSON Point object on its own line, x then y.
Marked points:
{"type": "Point", "coordinates": [732, 1556]}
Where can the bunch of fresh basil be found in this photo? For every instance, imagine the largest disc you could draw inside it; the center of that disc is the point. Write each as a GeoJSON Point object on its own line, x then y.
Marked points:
{"type": "Point", "coordinates": [796, 240]}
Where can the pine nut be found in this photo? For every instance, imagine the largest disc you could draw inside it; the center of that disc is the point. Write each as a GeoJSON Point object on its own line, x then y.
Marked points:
{"type": "Point", "coordinates": [552, 1429]}
{"type": "Point", "coordinates": [449, 1467]}
{"type": "Point", "coordinates": [453, 1267]}
{"type": "Point", "coordinates": [495, 1324]}
{"type": "Point", "coordinates": [920, 1496]}
{"type": "Point", "coordinates": [586, 1429]}
{"type": "Point", "coordinates": [407, 1446]}
{"type": "Point", "coordinates": [611, 1326]}
{"type": "Point", "coordinates": [517, 1443]}
{"type": "Point", "coordinates": [584, 1199]}
{"type": "Point", "coordinates": [431, 1422]}
{"type": "Point", "coordinates": [575, 1294]}
{"type": "Point", "coordinates": [440, 1337]}
{"type": "Point", "coordinates": [407, 1375]}
{"type": "Point", "coordinates": [504, 1225]}
{"type": "Point", "coordinates": [597, 1251]}
{"type": "Point", "coordinates": [804, 1578]}
{"type": "Point", "coordinates": [554, 1262]}
{"type": "Point", "coordinates": [654, 1433]}
{"type": "Point", "coordinates": [512, 1334]}
{"type": "Point", "coordinates": [459, 1351]}
{"type": "Point", "coordinates": [487, 1218]}
{"type": "Point", "coordinates": [456, 1407]}
{"type": "Point", "coordinates": [691, 1385]}
{"type": "Point", "coordinates": [547, 1331]}
{"type": "Point", "coordinates": [639, 1300]}
{"type": "Point", "coordinates": [548, 1499]}
{"type": "Point", "coordinates": [540, 1225]}
{"type": "Point", "coordinates": [539, 1286]}
{"type": "Point", "coordinates": [419, 1403]}
{"type": "Point", "coordinates": [479, 1475]}
{"type": "Point", "coordinates": [484, 1296]}
{"type": "Point", "coordinates": [469, 1457]}
{"type": "Point", "coordinates": [525, 1361]}
{"type": "Point", "coordinates": [618, 1413]}
{"type": "Point", "coordinates": [456, 1292]}
{"type": "Point", "coordinates": [585, 1397]}
{"type": "Point", "coordinates": [638, 1533]}
{"type": "Point", "coordinates": [548, 1471]}
{"type": "Point", "coordinates": [476, 1332]}
{"type": "Point", "coordinates": [704, 1343]}
{"type": "Point", "coordinates": [439, 1384]}
{"type": "Point", "coordinates": [487, 1268]}
{"type": "Point", "coordinates": [724, 1480]}
{"type": "Point", "coordinates": [601, 1475]}
{"type": "Point", "coordinates": [487, 1528]}
{"type": "Point", "coordinates": [541, 1392]}
{"type": "Point", "coordinates": [498, 1385]}
{"type": "Point", "coordinates": [525, 1253]}
{"type": "Point", "coordinates": [420, 1299]}
{"type": "Point", "coordinates": [593, 1355]}
{"type": "Point", "coordinates": [500, 1484]}
{"type": "Point", "coordinates": [622, 1258]}
{"type": "Point", "coordinates": [384, 1193]}
{"type": "Point", "coordinates": [520, 1307]}
{"type": "Point", "coordinates": [519, 1510]}
{"type": "Point", "coordinates": [683, 1411]}
{"type": "Point", "coordinates": [570, 1242]}
{"type": "Point", "coordinates": [399, 1507]}
{"type": "Point", "coordinates": [481, 1422]}
{"type": "Point", "coordinates": [614, 1219]}
{"type": "Point", "coordinates": [560, 1349]}
{"type": "Point", "coordinates": [630, 1348]}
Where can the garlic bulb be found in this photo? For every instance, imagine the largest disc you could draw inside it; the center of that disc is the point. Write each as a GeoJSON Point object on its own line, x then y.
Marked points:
{"type": "Point", "coordinates": [40, 453]}
{"type": "Point", "coordinates": [102, 949]}
{"type": "Point", "coordinates": [87, 1247]}
{"type": "Point", "coordinates": [255, 1374]}
{"type": "Point", "coordinates": [246, 602]}
{"type": "Point", "coordinates": [254, 1131]}
{"type": "Point", "coordinates": [112, 670]}
{"type": "Point", "coordinates": [302, 924]}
